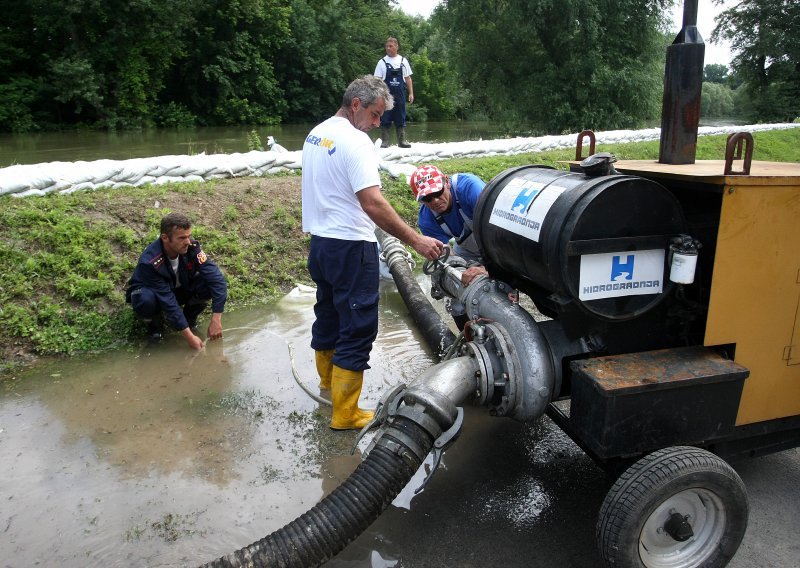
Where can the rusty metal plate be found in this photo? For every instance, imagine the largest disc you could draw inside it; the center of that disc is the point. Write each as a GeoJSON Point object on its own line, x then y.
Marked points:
{"type": "Point", "coordinates": [665, 368]}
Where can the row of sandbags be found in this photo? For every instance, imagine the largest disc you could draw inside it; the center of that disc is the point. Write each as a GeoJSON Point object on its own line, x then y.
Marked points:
{"type": "Point", "coordinates": [66, 177]}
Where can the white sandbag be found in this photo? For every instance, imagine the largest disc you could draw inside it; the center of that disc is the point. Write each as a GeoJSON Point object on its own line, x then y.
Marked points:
{"type": "Point", "coordinates": [29, 193]}
{"type": "Point", "coordinates": [87, 185]}
{"type": "Point", "coordinates": [283, 159]}
{"type": "Point", "coordinates": [396, 170]}
{"type": "Point", "coordinates": [13, 182]}
{"type": "Point", "coordinates": [144, 180]}
{"type": "Point", "coordinates": [38, 179]}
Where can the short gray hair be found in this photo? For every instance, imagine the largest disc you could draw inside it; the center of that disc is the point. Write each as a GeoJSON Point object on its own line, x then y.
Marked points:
{"type": "Point", "coordinates": [368, 89]}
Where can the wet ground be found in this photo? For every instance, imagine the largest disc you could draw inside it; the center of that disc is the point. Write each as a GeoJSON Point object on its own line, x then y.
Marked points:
{"type": "Point", "coordinates": [159, 456]}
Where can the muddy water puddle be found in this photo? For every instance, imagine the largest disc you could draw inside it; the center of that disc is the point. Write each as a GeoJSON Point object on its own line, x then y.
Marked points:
{"type": "Point", "coordinates": [159, 456]}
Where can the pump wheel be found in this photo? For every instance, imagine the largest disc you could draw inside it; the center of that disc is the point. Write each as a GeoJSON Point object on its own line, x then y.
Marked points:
{"type": "Point", "coordinates": [679, 506]}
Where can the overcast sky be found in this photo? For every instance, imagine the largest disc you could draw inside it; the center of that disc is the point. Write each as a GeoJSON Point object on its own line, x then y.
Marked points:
{"type": "Point", "coordinates": [706, 11]}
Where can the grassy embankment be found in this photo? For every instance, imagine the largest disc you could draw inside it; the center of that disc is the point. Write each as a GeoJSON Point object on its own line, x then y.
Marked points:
{"type": "Point", "coordinates": [66, 258]}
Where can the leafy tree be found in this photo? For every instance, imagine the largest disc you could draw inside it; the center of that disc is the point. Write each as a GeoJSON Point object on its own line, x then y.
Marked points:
{"type": "Point", "coordinates": [765, 39]}
{"type": "Point", "coordinates": [563, 65]}
{"type": "Point", "coordinates": [132, 63]}
{"type": "Point", "coordinates": [86, 61]}
{"type": "Point", "coordinates": [120, 51]}
{"type": "Point", "coordinates": [228, 73]}
{"type": "Point", "coordinates": [715, 73]}
{"type": "Point", "coordinates": [742, 104]}
{"type": "Point", "coordinates": [537, 65]}
{"type": "Point", "coordinates": [16, 98]}
{"type": "Point", "coordinates": [716, 100]}
{"type": "Point", "coordinates": [18, 85]}
{"type": "Point", "coordinates": [314, 71]}
{"type": "Point", "coordinates": [331, 43]}
{"type": "Point", "coordinates": [435, 86]}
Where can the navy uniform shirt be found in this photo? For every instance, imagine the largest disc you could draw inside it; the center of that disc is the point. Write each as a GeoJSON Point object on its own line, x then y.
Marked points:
{"type": "Point", "coordinates": [195, 270]}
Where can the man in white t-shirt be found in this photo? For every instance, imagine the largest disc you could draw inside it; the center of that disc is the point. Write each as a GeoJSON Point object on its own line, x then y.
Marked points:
{"type": "Point", "coordinates": [342, 203]}
{"type": "Point", "coordinates": [395, 70]}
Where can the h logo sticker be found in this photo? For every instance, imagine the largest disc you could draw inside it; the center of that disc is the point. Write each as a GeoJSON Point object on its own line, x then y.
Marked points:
{"type": "Point", "coordinates": [523, 200]}
{"type": "Point", "coordinates": [620, 270]}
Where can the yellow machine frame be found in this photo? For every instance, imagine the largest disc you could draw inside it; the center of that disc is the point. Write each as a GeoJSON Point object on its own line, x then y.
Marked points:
{"type": "Point", "coordinates": [755, 292]}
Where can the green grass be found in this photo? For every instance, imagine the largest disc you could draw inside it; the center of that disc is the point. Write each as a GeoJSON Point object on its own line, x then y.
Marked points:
{"type": "Point", "coordinates": [60, 274]}
{"type": "Point", "coordinates": [66, 258]}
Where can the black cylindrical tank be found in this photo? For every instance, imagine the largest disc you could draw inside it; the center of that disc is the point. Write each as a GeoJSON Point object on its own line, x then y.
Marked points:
{"type": "Point", "coordinates": [600, 242]}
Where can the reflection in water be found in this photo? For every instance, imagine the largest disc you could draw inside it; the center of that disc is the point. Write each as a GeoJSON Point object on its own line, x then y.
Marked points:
{"type": "Point", "coordinates": [149, 411]}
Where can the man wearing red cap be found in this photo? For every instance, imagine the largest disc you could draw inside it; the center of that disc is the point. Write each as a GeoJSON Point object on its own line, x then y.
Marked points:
{"type": "Point", "coordinates": [448, 207]}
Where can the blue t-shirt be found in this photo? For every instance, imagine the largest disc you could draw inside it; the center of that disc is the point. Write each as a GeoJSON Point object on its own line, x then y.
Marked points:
{"type": "Point", "coordinates": [465, 190]}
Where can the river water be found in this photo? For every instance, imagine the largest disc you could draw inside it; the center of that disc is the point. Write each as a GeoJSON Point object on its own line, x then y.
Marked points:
{"type": "Point", "coordinates": [156, 456]}
{"type": "Point", "coordinates": [72, 146]}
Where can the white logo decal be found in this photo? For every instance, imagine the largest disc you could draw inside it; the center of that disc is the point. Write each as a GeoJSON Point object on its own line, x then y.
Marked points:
{"type": "Point", "coordinates": [522, 207]}
{"type": "Point", "coordinates": [632, 273]}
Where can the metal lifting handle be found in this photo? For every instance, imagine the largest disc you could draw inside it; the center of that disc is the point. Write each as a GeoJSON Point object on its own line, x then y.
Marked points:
{"type": "Point", "coordinates": [733, 151]}
{"type": "Point", "coordinates": [579, 147]}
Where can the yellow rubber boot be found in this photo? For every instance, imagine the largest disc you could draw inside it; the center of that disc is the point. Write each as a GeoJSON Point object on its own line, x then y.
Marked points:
{"type": "Point", "coordinates": [346, 388]}
{"type": "Point", "coordinates": [324, 360]}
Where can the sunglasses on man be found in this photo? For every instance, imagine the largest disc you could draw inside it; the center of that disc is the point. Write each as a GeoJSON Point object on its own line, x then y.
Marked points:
{"type": "Point", "coordinates": [431, 196]}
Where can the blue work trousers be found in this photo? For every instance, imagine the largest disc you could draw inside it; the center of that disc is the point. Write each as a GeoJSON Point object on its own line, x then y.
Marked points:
{"type": "Point", "coordinates": [346, 275]}
{"type": "Point", "coordinates": [146, 304]}
{"type": "Point", "coordinates": [397, 114]}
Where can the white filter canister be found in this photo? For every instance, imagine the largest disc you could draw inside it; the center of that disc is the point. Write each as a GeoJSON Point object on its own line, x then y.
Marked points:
{"type": "Point", "coordinates": [683, 267]}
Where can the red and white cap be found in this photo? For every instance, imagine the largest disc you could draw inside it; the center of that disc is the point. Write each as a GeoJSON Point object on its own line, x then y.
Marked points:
{"type": "Point", "coordinates": [426, 180]}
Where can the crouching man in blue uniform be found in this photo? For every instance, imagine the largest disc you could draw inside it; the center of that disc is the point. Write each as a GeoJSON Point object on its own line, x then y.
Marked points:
{"type": "Point", "coordinates": [174, 280]}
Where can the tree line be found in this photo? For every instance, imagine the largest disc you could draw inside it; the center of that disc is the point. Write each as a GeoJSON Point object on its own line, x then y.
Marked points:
{"type": "Point", "coordinates": [538, 66]}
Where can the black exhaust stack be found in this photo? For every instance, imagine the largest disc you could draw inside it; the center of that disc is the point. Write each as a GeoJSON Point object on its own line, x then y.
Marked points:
{"type": "Point", "coordinates": [683, 83]}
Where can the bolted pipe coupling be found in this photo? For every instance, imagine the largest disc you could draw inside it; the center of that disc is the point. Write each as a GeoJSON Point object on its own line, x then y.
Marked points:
{"type": "Point", "coordinates": [430, 403]}
{"type": "Point", "coordinates": [500, 367]}
{"type": "Point", "coordinates": [517, 375]}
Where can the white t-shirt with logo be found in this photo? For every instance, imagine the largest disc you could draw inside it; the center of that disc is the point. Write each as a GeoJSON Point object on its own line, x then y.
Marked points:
{"type": "Point", "coordinates": [338, 162]}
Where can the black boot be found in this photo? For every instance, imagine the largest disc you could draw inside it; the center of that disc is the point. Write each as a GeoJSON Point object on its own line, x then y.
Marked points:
{"type": "Point", "coordinates": [401, 137]}
{"type": "Point", "coordinates": [385, 134]}
{"type": "Point", "coordinates": [155, 328]}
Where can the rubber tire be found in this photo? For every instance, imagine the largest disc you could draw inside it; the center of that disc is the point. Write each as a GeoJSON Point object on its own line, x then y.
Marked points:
{"type": "Point", "coordinates": [653, 480]}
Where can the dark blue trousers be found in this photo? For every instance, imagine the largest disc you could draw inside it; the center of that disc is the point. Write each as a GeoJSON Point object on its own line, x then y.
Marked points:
{"type": "Point", "coordinates": [346, 275]}
{"type": "Point", "coordinates": [146, 305]}
{"type": "Point", "coordinates": [398, 112]}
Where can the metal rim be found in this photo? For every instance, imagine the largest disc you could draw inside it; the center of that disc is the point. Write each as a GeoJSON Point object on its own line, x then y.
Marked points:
{"type": "Point", "coordinates": [706, 515]}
